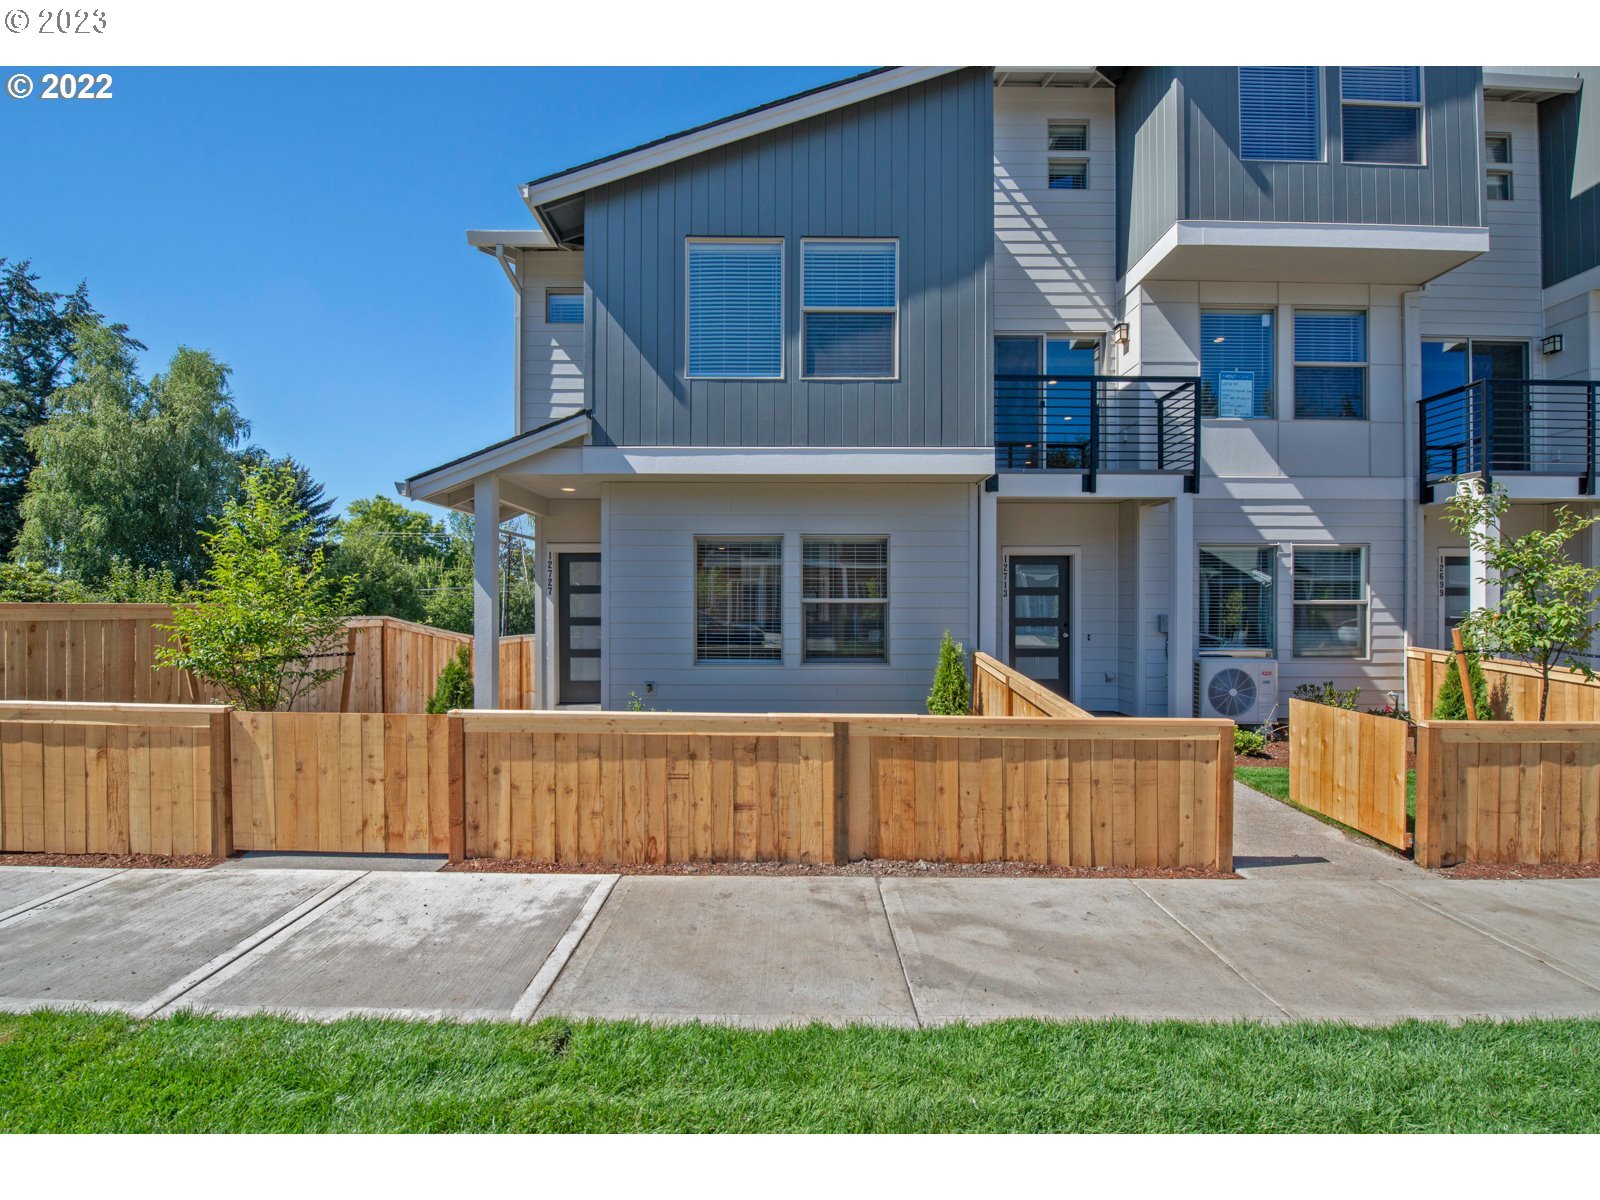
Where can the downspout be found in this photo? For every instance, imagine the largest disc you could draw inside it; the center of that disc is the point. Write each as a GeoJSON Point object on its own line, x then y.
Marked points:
{"type": "Point", "coordinates": [1411, 505]}
{"type": "Point", "coordinates": [514, 275]}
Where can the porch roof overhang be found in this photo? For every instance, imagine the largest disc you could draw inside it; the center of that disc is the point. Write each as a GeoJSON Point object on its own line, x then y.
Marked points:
{"type": "Point", "coordinates": [1298, 252]}
{"type": "Point", "coordinates": [450, 484]}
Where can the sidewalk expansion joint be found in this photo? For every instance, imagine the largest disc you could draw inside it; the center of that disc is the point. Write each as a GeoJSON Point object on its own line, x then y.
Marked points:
{"type": "Point", "coordinates": [894, 940]}
{"type": "Point", "coordinates": [561, 954]}
{"type": "Point", "coordinates": [28, 906]}
{"type": "Point", "coordinates": [1219, 955]}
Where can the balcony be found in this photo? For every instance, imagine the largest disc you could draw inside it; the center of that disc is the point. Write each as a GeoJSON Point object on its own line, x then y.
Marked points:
{"type": "Point", "coordinates": [1519, 427]}
{"type": "Point", "coordinates": [1124, 424]}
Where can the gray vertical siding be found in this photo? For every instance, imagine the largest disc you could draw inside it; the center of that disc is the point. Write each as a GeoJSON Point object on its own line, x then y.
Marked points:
{"type": "Point", "coordinates": [1178, 159]}
{"type": "Point", "coordinates": [1570, 218]}
{"type": "Point", "coordinates": [916, 164]}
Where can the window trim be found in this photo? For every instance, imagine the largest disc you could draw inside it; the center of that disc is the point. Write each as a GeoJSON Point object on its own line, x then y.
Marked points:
{"type": "Point", "coordinates": [1271, 310]}
{"type": "Point", "coordinates": [888, 559]}
{"type": "Point", "coordinates": [807, 308]}
{"type": "Point", "coordinates": [1322, 122]}
{"type": "Point", "coordinates": [1295, 363]}
{"type": "Point", "coordinates": [783, 308]}
{"type": "Point", "coordinates": [1365, 603]}
{"type": "Point", "coordinates": [565, 291]}
{"type": "Point", "coordinates": [1057, 161]}
{"type": "Point", "coordinates": [1271, 548]}
{"type": "Point", "coordinates": [1498, 173]}
{"type": "Point", "coordinates": [1420, 104]}
{"type": "Point", "coordinates": [695, 542]}
{"type": "Point", "coordinates": [1052, 123]}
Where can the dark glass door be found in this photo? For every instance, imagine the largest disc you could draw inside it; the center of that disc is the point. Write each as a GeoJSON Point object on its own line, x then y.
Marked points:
{"type": "Point", "coordinates": [579, 628]}
{"type": "Point", "coordinates": [1500, 362]}
{"type": "Point", "coordinates": [1040, 625]}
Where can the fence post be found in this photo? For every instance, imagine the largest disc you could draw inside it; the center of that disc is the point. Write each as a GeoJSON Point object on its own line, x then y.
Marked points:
{"type": "Point", "coordinates": [841, 792]}
{"type": "Point", "coordinates": [1225, 799]}
{"type": "Point", "coordinates": [1425, 847]}
{"type": "Point", "coordinates": [456, 775]}
{"type": "Point", "coordinates": [221, 747]}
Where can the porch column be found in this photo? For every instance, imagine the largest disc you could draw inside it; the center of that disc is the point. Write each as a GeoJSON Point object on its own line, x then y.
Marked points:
{"type": "Point", "coordinates": [1182, 565]}
{"type": "Point", "coordinates": [1485, 587]}
{"type": "Point", "coordinates": [988, 568]}
{"type": "Point", "coordinates": [486, 592]}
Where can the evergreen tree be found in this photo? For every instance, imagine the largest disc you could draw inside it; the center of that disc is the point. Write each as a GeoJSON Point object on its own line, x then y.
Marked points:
{"type": "Point", "coordinates": [952, 691]}
{"type": "Point", "coordinates": [454, 688]}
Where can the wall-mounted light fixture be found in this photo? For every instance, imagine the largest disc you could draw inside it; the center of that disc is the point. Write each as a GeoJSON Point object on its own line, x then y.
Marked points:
{"type": "Point", "coordinates": [1120, 332]}
{"type": "Point", "coordinates": [1551, 344]}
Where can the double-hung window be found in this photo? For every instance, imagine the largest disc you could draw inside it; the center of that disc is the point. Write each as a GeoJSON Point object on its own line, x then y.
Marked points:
{"type": "Point", "coordinates": [849, 291]}
{"type": "Point", "coordinates": [738, 599]}
{"type": "Point", "coordinates": [1330, 602]}
{"type": "Point", "coordinates": [1237, 599]}
{"type": "Point", "coordinates": [845, 586]}
{"type": "Point", "coordinates": [563, 306]}
{"type": "Point", "coordinates": [1236, 352]}
{"type": "Point", "coordinates": [735, 309]}
{"type": "Point", "coordinates": [1072, 138]}
{"type": "Point", "coordinates": [1330, 366]}
{"type": "Point", "coordinates": [1497, 154]}
{"type": "Point", "coordinates": [1280, 113]}
{"type": "Point", "coordinates": [1380, 109]}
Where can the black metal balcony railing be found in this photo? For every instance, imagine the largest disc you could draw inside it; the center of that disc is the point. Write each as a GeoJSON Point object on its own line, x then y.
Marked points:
{"type": "Point", "coordinates": [1510, 426]}
{"type": "Point", "coordinates": [1136, 424]}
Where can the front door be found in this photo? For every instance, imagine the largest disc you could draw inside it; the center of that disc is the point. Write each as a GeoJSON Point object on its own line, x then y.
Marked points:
{"type": "Point", "coordinates": [1039, 620]}
{"type": "Point", "coordinates": [1455, 591]}
{"type": "Point", "coordinates": [579, 628]}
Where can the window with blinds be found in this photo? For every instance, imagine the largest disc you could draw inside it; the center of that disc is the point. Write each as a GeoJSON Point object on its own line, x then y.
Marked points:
{"type": "Point", "coordinates": [1069, 174]}
{"type": "Point", "coordinates": [735, 309]}
{"type": "Point", "coordinates": [1330, 366]}
{"type": "Point", "coordinates": [1497, 151]}
{"type": "Point", "coordinates": [845, 599]}
{"type": "Point", "coordinates": [1380, 109]}
{"type": "Point", "coordinates": [1280, 113]}
{"type": "Point", "coordinates": [563, 306]}
{"type": "Point", "coordinates": [1237, 598]}
{"type": "Point", "coordinates": [1330, 602]}
{"type": "Point", "coordinates": [1236, 353]}
{"type": "Point", "coordinates": [1069, 137]}
{"type": "Point", "coordinates": [849, 296]}
{"type": "Point", "coordinates": [738, 600]}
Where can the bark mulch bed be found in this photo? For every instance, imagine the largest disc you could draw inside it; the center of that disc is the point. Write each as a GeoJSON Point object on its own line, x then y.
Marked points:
{"type": "Point", "coordinates": [118, 861]}
{"type": "Point", "coordinates": [866, 867]}
{"type": "Point", "coordinates": [1520, 871]}
{"type": "Point", "coordinates": [1276, 754]}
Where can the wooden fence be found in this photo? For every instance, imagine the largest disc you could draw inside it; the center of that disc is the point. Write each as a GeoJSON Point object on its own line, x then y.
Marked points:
{"type": "Point", "coordinates": [1508, 792]}
{"type": "Point", "coordinates": [1350, 766]}
{"type": "Point", "coordinates": [93, 653]}
{"type": "Point", "coordinates": [113, 779]}
{"type": "Point", "coordinates": [1513, 688]}
{"type": "Point", "coordinates": [998, 691]}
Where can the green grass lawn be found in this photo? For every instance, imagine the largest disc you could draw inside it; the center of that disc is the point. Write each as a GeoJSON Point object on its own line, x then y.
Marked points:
{"type": "Point", "coordinates": [1274, 781]}
{"type": "Point", "coordinates": [64, 1072]}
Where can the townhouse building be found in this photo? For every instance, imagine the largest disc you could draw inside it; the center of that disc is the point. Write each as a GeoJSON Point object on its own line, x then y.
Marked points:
{"type": "Point", "coordinates": [1150, 381]}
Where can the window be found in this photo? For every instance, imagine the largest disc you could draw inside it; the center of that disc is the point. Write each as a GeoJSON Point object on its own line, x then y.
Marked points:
{"type": "Point", "coordinates": [845, 585]}
{"type": "Point", "coordinates": [1381, 111]}
{"type": "Point", "coordinates": [1069, 137]}
{"type": "Point", "coordinates": [1280, 113]}
{"type": "Point", "coordinates": [1330, 366]}
{"type": "Point", "coordinates": [1237, 599]}
{"type": "Point", "coordinates": [849, 292]}
{"type": "Point", "coordinates": [1497, 150]}
{"type": "Point", "coordinates": [736, 309]}
{"type": "Point", "coordinates": [1236, 364]}
{"type": "Point", "coordinates": [563, 306]}
{"type": "Point", "coordinates": [738, 600]}
{"type": "Point", "coordinates": [1330, 602]}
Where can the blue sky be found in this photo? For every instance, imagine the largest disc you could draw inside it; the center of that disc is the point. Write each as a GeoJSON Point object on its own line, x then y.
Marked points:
{"type": "Point", "coordinates": [307, 227]}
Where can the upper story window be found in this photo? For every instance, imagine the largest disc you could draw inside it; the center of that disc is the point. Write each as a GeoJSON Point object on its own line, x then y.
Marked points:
{"type": "Point", "coordinates": [1497, 154]}
{"type": "Point", "coordinates": [1236, 351]}
{"type": "Point", "coordinates": [1381, 113]}
{"type": "Point", "coordinates": [1069, 137]}
{"type": "Point", "coordinates": [1280, 113]}
{"type": "Point", "coordinates": [735, 309]}
{"type": "Point", "coordinates": [849, 294]}
{"type": "Point", "coordinates": [738, 599]}
{"type": "Point", "coordinates": [1330, 366]}
{"type": "Point", "coordinates": [563, 306]}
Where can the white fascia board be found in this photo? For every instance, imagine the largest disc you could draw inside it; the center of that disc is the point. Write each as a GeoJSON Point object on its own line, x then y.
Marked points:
{"type": "Point", "coordinates": [1307, 235]}
{"type": "Point", "coordinates": [1354, 487]}
{"type": "Point", "coordinates": [1584, 281]}
{"type": "Point", "coordinates": [1534, 87]}
{"type": "Point", "coordinates": [726, 132]}
{"type": "Point", "coordinates": [491, 240]}
{"type": "Point", "coordinates": [718, 462]}
{"type": "Point", "coordinates": [500, 457]}
{"type": "Point", "coordinates": [1109, 485]}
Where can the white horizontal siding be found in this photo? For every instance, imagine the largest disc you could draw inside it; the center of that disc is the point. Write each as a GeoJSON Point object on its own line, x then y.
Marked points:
{"type": "Point", "coordinates": [553, 357]}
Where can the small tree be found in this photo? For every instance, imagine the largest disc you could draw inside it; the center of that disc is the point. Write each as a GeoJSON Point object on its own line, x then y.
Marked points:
{"type": "Point", "coordinates": [1545, 615]}
{"type": "Point", "coordinates": [454, 688]}
{"type": "Point", "coordinates": [952, 692]}
{"type": "Point", "coordinates": [266, 622]}
{"type": "Point", "coordinates": [1451, 702]}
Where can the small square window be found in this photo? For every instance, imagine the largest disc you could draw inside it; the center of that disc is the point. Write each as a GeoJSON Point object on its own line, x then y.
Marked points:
{"type": "Point", "coordinates": [1497, 148]}
{"type": "Point", "coordinates": [1069, 137]}
{"type": "Point", "coordinates": [563, 306]}
{"type": "Point", "coordinates": [1498, 185]}
{"type": "Point", "coordinates": [1070, 174]}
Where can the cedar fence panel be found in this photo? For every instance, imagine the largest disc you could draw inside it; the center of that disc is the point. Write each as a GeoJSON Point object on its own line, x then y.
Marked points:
{"type": "Point", "coordinates": [1513, 688]}
{"type": "Point", "coordinates": [346, 783]}
{"type": "Point", "coordinates": [113, 779]}
{"type": "Point", "coordinates": [1508, 792]}
{"type": "Point", "coordinates": [1350, 766]}
{"type": "Point", "coordinates": [999, 691]}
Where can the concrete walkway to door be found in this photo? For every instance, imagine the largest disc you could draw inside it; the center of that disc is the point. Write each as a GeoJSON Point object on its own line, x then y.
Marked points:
{"type": "Point", "coordinates": [1321, 925]}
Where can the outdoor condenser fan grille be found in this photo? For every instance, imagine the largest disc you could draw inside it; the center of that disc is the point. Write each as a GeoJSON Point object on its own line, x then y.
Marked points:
{"type": "Point", "coordinates": [1231, 692]}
